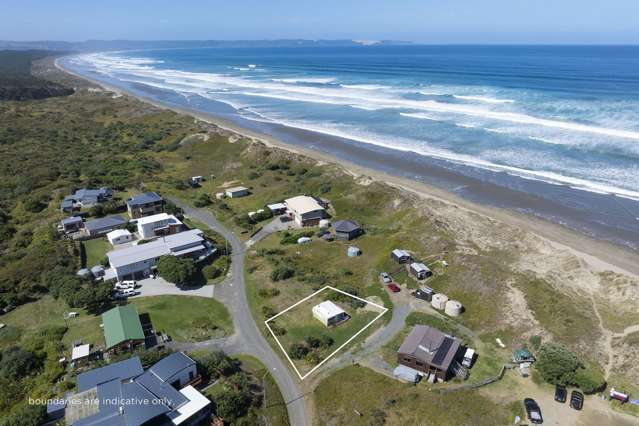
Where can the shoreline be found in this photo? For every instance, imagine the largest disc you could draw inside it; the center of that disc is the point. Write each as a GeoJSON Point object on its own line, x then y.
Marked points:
{"type": "Point", "coordinates": [600, 255]}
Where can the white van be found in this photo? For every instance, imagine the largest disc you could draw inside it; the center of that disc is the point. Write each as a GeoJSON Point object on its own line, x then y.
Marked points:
{"type": "Point", "coordinates": [468, 358]}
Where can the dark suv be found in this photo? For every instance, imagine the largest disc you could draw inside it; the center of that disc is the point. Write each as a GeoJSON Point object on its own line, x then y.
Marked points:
{"type": "Point", "coordinates": [577, 400]}
{"type": "Point", "coordinates": [560, 394]}
{"type": "Point", "coordinates": [533, 411]}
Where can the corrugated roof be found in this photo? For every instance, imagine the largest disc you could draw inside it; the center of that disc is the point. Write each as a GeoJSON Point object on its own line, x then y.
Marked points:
{"type": "Point", "coordinates": [164, 391]}
{"type": "Point", "coordinates": [157, 218]}
{"type": "Point", "coordinates": [71, 220]}
{"type": "Point", "coordinates": [121, 323]}
{"type": "Point", "coordinates": [104, 223]}
{"type": "Point", "coordinates": [430, 346]}
{"type": "Point", "coordinates": [144, 198]}
{"type": "Point", "coordinates": [328, 309]}
{"type": "Point", "coordinates": [172, 364]}
{"type": "Point", "coordinates": [346, 226]}
{"type": "Point", "coordinates": [121, 370]}
{"type": "Point", "coordinates": [237, 189]}
{"type": "Point", "coordinates": [303, 204]}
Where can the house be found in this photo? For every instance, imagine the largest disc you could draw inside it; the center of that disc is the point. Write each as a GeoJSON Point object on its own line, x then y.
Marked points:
{"type": "Point", "coordinates": [177, 369]}
{"type": "Point", "coordinates": [85, 198]}
{"type": "Point", "coordinates": [429, 351]}
{"type": "Point", "coordinates": [119, 236]}
{"type": "Point", "coordinates": [122, 328]}
{"type": "Point", "coordinates": [123, 393]}
{"type": "Point", "coordinates": [347, 230]}
{"type": "Point", "coordinates": [145, 204]}
{"type": "Point", "coordinates": [157, 225]}
{"type": "Point", "coordinates": [236, 192]}
{"type": "Point", "coordinates": [277, 208]}
{"type": "Point", "coordinates": [329, 314]}
{"type": "Point", "coordinates": [98, 227]}
{"type": "Point", "coordinates": [306, 210]}
{"type": "Point", "coordinates": [72, 224]}
{"type": "Point", "coordinates": [80, 355]}
{"type": "Point", "coordinates": [400, 256]}
{"type": "Point", "coordinates": [420, 271]}
{"type": "Point", "coordinates": [137, 262]}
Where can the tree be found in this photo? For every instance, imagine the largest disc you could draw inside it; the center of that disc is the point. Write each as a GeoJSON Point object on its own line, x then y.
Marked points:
{"type": "Point", "coordinates": [26, 415]}
{"type": "Point", "coordinates": [97, 297]}
{"type": "Point", "coordinates": [175, 270]}
{"type": "Point", "coordinates": [217, 364]}
{"type": "Point", "coordinates": [557, 365]}
{"type": "Point", "coordinates": [590, 380]}
{"type": "Point", "coordinates": [17, 363]}
{"type": "Point", "coordinates": [232, 403]}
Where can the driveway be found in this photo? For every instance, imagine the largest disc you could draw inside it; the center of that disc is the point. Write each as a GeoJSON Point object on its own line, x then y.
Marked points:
{"type": "Point", "coordinates": [247, 338]}
{"type": "Point", "coordinates": [161, 287]}
{"type": "Point", "coordinates": [270, 228]}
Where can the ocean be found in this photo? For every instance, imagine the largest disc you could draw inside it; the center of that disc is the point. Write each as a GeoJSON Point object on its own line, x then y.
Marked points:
{"type": "Point", "coordinates": [548, 131]}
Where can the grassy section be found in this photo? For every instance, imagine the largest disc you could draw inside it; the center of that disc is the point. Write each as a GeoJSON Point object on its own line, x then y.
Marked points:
{"type": "Point", "coordinates": [48, 312]}
{"type": "Point", "coordinates": [376, 397]}
{"type": "Point", "coordinates": [94, 251]}
{"type": "Point", "coordinates": [186, 318]}
{"type": "Point", "coordinates": [298, 324]}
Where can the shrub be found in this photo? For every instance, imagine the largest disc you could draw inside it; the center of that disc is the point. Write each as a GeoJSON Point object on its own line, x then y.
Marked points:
{"type": "Point", "coordinates": [175, 270]}
{"type": "Point", "coordinates": [298, 351]}
{"type": "Point", "coordinates": [202, 200]}
{"type": "Point", "coordinates": [268, 292]}
{"type": "Point", "coordinates": [282, 272]}
{"type": "Point", "coordinates": [590, 380]}
{"type": "Point", "coordinates": [17, 363]}
{"type": "Point", "coordinates": [535, 342]}
{"type": "Point", "coordinates": [557, 365]}
{"type": "Point", "coordinates": [211, 272]}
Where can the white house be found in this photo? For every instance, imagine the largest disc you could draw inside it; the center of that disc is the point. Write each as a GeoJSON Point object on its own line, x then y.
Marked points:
{"type": "Point", "coordinates": [329, 314]}
{"type": "Point", "coordinates": [136, 262]}
{"type": "Point", "coordinates": [306, 210]}
{"type": "Point", "coordinates": [236, 192]}
{"type": "Point", "coordinates": [119, 236]}
{"type": "Point", "coordinates": [158, 224]}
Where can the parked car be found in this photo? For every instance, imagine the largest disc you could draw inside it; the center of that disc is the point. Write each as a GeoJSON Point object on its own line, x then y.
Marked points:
{"type": "Point", "coordinates": [131, 283]}
{"type": "Point", "coordinates": [393, 287]}
{"type": "Point", "coordinates": [533, 411]}
{"type": "Point", "coordinates": [385, 277]}
{"type": "Point", "coordinates": [577, 400]}
{"type": "Point", "coordinates": [123, 286]}
{"type": "Point", "coordinates": [560, 394]}
{"type": "Point", "coordinates": [119, 295]}
{"type": "Point", "coordinates": [129, 292]}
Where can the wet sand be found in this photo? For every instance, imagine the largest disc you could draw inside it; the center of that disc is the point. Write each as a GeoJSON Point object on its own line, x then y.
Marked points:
{"type": "Point", "coordinates": [463, 191]}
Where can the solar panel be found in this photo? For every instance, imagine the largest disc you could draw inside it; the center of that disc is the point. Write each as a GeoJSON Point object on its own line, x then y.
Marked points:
{"type": "Point", "coordinates": [442, 351]}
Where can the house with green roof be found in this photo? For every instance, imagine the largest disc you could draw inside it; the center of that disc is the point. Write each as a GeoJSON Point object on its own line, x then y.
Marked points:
{"type": "Point", "coordinates": [122, 328]}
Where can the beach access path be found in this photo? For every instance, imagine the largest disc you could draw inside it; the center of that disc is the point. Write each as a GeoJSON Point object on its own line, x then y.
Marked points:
{"type": "Point", "coordinates": [247, 338]}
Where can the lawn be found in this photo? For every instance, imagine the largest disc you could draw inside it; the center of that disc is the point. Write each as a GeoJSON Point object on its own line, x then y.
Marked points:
{"type": "Point", "coordinates": [48, 312]}
{"type": "Point", "coordinates": [95, 250]}
{"type": "Point", "coordinates": [186, 318]}
{"type": "Point", "coordinates": [358, 396]}
{"type": "Point", "coordinates": [298, 324]}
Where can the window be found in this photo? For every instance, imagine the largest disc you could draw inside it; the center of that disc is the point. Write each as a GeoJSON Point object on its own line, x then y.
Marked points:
{"type": "Point", "coordinates": [419, 364]}
{"type": "Point", "coordinates": [191, 375]}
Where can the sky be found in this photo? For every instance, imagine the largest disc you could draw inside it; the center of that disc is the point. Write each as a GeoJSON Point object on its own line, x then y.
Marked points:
{"type": "Point", "coordinates": [422, 21]}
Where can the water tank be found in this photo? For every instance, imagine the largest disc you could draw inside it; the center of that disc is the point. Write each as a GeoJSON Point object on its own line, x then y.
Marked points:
{"type": "Point", "coordinates": [324, 223]}
{"type": "Point", "coordinates": [439, 301]}
{"type": "Point", "coordinates": [453, 308]}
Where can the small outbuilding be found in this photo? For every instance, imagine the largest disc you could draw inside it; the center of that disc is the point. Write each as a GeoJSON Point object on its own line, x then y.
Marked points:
{"type": "Point", "coordinates": [80, 354]}
{"type": "Point", "coordinates": [119, 236]}
{"type": "Point", "coordinates": [329, 314]}
{"type": "Point", "coordinates": [84, 273]}
{"type": "Point", "coordinates": [72, 224]}
{"type": "Point", "coordinates": [347, 229]}
{"type": "Point", "coordinates": [353, 251]}
{"type": "Point", "coordinates": [400, 256]}
{"type": "Point", "coordinates": [420, 271]}
{"type": "Point", "coordinates": [424, 293]}
{"type": "Point", "coordinates": [277, 208]}
{"type": "Point", "coordinates": [97, 271]}
{"type": "Point", "coordinates": [523, 355]}
{"type": "Point", "coordinates": [236, 192]}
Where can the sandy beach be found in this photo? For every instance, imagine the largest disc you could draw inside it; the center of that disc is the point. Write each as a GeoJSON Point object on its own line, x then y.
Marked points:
{"type": "Point", "coordinates": [599, 255]}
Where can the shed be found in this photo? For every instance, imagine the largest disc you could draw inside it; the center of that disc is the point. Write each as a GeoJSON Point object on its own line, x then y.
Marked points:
{"type": "Point", "coordinates": [236, 192]}
{"type": "Point", "coordinates": [523, 355]}
{"type": "Point", "coordinates": [347, 229]}
{"type": "Point", "coordinates": [119, 236]}
{"type": "Point", "coordinates": [424, 293]}
{"type": "Point", "coordinates": [400, 256]}
{"type": "Point", "coordinates": [97, 271]}
{"type": "Point", "coordinates": [420, 271]}
{"type": "Point", "coordinates": [353, 251]}
{"type": "Point", "coordinates": [80, 354]}
{"type": "Point", "coordinates": [277, 208]}
{"type": "Point", "coordinates": [329, 314]}
{"type": "Point", "coordinates": [83, 273]}
{"type": "Point", "coordinates": [407, 374]}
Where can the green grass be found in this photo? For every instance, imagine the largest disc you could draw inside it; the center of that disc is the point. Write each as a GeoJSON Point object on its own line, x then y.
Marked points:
{"type": "Point", "coordinates": [49, 312]}
{"type": "Point", "coordinates": [355, 389]}
{"type": "Point", "coordinates": [300, 323]}
{"type": "Point", "coordinates": [95, 250]}
{"type": "Point", "coordinates": [186, 318]}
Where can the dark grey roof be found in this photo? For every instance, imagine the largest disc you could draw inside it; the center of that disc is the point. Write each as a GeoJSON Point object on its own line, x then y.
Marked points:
{"type": "Point", "coordinates": [430, 346]}
{"type": "Point", "coordinates": [346, 226]}
{"type": "Point", "coordinates": [104, 223]}
{"type": "Point", "coordinates": [71, 219]}
{"type": "Point", "coordinates": [162, 390]}
{"type": "Point", "coordinates": [66, 203]}
{"type": "Point", "coordinates": [119, 370]}
{"type": "Point", "coordinates": [168, 366]}
{"type": "Point", "coordinates": [144, 198]}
